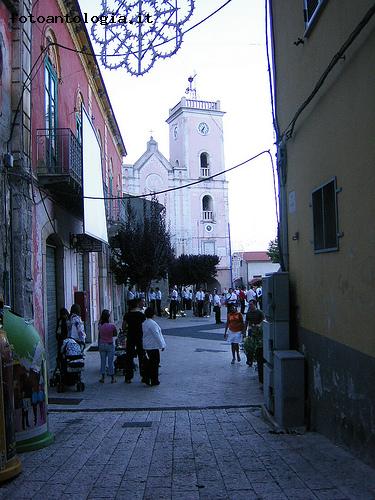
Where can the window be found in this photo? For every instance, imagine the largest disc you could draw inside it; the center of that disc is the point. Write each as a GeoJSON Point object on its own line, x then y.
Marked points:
{"type": "Point", "coordinates": [50, 110]}
{"type": "Point", "coordinates": [324, 205]}
{"type": "Point", "coordinates": [207, 208]}
{"type": "Point", "coordinates": [311, 10]}
{"type": "Point", "coordinates": [204, 165]}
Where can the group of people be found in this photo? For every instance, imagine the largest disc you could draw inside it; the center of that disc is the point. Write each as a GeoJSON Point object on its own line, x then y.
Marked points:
{"type": "Point", "coordinates": [203, 302]}
{"type": "Point", "coordinates": [144, 340]}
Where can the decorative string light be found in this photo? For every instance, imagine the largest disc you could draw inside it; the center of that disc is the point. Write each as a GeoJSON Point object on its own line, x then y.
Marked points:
{"type": "Point", "coordinates": [140, 32]}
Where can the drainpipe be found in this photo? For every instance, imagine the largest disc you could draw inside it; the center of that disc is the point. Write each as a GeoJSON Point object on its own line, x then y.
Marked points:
{"type": "Point", "coordinates": [283, 206]}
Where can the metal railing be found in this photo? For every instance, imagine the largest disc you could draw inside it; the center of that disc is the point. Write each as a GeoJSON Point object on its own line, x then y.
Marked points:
{"type": "Point", "coordinates": [58, 152]}
{"type": "Point", "coordinates": [116, 209]}
{"type": "Point", "coordinates": [199, 104]}
{"type": "Point", "coordinates": [207, 215]}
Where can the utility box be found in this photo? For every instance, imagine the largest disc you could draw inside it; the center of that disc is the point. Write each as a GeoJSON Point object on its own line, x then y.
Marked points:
{"type": "Point", "coordinates": [275, 338]}
{"type": "Point", "coordinates": [268, 391]}
{"type": "Point", "coordinates": [289, 388]}
{"type": "Point", "coordinates": [275, 296]}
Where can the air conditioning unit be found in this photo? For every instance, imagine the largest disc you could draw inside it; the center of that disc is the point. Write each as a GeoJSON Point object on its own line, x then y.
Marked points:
{"type": "Point", "coordinates": [275, 337]}
{"type": "Point", "coordinates": [276, 296]}
{"type": "Point", "coordinates": [268, 390]}
{"type": "Point", "coordinates": [289, 388]}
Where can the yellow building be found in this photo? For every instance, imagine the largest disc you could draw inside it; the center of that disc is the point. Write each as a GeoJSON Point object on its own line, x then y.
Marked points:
{"type": "Point", "coordinates": [324, 96]}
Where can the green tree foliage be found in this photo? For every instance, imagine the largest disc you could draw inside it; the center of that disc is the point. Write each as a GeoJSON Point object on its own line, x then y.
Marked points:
{"type": "Point", "coordinates": [273, 251]}
{"type": "Point", "coordinates": [141, 251]}
{"type": "Point", "coordinates": [193, 269]}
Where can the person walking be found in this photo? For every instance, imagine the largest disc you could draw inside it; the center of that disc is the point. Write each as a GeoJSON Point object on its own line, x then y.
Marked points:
{"type": "Point", "coordinates": [158, 301]}
{"type": "Point", "coordinates": [107, 331]}
{"type": "Point", "coordinates": [250, 295]}
{"type": "Point", "coordinates": [152, 299]}
{"type": "Point", "coordinates": [217, 307]}
{"type": "Point", "coordinates": [173, 303]}
{"type": "Point", "coordinates": [76, 329]}
{"type": "Point", "coordinates": [242, 299]}
{"type": "Point", "coordinates": [132, 321]}
{"type": "Point", "coordinates": [153, 342]}
{"type": "Point", "coordinates": [62, 329]}
{"type": "Point", "coordinates": [206, 304]}
{"type": "Point", "coordinates": [231, 299]}
{"type": "Point", "coordinates": [234, 329]}
{"type": "Point", "coordinates": [199, 297]}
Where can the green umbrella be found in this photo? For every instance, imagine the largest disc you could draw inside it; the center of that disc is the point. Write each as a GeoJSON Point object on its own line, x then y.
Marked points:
{"type": "Point", "coordinates": [26, 342]}
{"type": "Point", "coordinates": [29, 352]}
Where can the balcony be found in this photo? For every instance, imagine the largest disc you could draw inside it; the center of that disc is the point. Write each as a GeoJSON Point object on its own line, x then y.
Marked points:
{"type": "Point", "coordinates": [207, 215]}
{"type": "Point", "coordinates": [115, 209]}
{"type": "Point", "coordinates": [205, 172]}
{"type": "Point", "coordinates": [59, 166]}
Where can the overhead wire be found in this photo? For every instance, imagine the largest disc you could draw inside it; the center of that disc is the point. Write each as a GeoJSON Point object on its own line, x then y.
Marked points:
{"type": "Point", "coordinates": [93, 54]}
{"type": "Point", "coordinates": [288, 132]}
{"type": "Point", "coordinates": [156, 193]}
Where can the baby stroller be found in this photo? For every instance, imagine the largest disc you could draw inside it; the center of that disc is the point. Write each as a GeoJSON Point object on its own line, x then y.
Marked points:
{"type": "Point", "coordinates": [120, 352]}
{"type": "Point", "coordinates": [70, 364]}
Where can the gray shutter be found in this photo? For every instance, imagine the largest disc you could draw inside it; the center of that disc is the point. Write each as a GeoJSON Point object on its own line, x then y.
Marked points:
{"type": "Point", "coordinates": [51, 307]}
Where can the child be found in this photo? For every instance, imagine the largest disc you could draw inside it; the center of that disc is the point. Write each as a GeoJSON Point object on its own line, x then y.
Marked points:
{"type": "Point", "coordinates": [153, 340]}
{"type": "Point", "coordinates": [236, 327]}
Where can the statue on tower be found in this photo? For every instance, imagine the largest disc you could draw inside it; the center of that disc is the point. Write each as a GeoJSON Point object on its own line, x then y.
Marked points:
{"type": "Point", "coordinates": [190, 91]}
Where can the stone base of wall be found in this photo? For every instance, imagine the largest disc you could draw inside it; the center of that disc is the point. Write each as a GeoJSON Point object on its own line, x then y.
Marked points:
{"type": "Point", "coordinates": [340, 385]}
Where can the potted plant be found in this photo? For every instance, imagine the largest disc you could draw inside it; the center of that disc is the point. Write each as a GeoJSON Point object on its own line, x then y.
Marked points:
{"type": "Point", "coordinates": [253, 348]}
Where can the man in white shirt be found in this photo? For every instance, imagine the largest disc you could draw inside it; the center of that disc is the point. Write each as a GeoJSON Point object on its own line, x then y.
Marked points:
{"type": "Point", "coordinates": [173, 303]}
{"type": "Point", "coordinates": [158, 301]}
{"type": "Point", "coordinates": [152, 299]}
{"type": "Point", "coordinates": [199, 298]}
{"type": "Point", "coordinates": [153, 341]}
{"type": "Point", "coordinates": [231, 299]}
{"type": "Point", "coordinates": [251, 295]}
{"type": "Point", "coordinates": [217, 307]}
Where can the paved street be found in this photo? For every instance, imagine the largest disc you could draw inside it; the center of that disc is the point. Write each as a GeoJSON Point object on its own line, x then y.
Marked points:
{"type": "Point", "coordinates": [199, 435]}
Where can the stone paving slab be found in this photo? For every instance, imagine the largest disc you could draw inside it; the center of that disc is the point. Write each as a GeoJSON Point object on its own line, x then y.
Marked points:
{"type": "Point", "coordinates": [186, 454]}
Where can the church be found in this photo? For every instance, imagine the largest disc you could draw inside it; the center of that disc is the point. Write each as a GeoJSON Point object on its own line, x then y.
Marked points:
{"type": "Point", "coordinates": [197, 215]}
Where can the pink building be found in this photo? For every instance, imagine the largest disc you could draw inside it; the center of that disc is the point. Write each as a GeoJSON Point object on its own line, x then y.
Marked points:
{"type": "Point", "coordinates": [73, 129]}
{"type": "Point", "coordinates": [198, 215]}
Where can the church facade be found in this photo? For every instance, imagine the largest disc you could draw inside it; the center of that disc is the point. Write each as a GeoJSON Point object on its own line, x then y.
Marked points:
{"type": "Point", "coordinates": [197, 215]}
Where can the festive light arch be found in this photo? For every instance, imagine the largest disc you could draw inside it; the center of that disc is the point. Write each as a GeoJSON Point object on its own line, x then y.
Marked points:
{"type": "Point", "coordinates": [135, 33]}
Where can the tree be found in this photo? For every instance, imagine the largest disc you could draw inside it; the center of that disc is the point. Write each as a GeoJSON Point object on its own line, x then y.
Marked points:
{"type": "Point", "coordinates": [273, 251]}
{"type": "Point", "coordinates": [193, 269]}
{"type": "Point", "coordinates": [141, 250]}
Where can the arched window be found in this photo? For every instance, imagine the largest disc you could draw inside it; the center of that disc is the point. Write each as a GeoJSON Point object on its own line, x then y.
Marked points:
{"type": "Point", "coordinates": [204, 165]}
{"type": "Point", "coordinates": [207, 208]}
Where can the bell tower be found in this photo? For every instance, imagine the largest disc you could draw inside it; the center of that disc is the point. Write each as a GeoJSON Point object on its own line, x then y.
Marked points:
{"type": "Point", "coordinates": [199, 224]}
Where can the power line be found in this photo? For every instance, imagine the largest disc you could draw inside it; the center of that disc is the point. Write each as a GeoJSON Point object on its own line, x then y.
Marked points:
{"type": "Point", "coordinates": [288, 132]}
{"type": "Point", "coordinates": [93, 54]}
{"type": "Point", "coordinates": [204, 179]}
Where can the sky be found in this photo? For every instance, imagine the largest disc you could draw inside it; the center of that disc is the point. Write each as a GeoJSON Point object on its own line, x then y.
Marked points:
{"type": "Point", "coordinates": [228, 55]}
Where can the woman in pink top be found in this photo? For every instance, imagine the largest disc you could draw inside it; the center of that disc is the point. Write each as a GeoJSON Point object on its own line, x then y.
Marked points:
{"type": "Point", "coordinates": [107, 331]}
